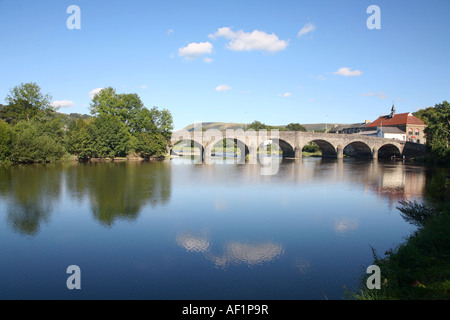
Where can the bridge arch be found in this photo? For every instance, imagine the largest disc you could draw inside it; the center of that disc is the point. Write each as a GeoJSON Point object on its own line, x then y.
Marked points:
{"type": "Point", "coordinates": [187, 147]}
{"type": "Point", "coordinates": [358, 149]}
{"type": "Point", "coordinates": [328, 150]}
{"type": "Point", "coordinates": [216, 147]}
{"type": "Point", "coordinates": [287, 149]}
{"type": "Point", "coordinates": [389, 150]}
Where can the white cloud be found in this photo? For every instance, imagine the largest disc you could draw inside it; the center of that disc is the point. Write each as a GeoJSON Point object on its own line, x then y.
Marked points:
{"type": "Point", "coordinates": [144, 86]}
{"type": "Point", "coordinates": [246, 41]}
{"type": "Point", "coordinates": [321, 77]}
{"type": "Point", "coordinates": [223, 88]}
{"type": "Point", "coordinates": [63, 104]}
{"type": "Point", "coordinates": [346, 72]}
{"type": "Point", "coordinates": [380, 95]}
{"type": "Point", "coordinates": [94, 92]}
{"type": "Point", "coordinates": [169, 32]}
{"type": "Point", "coordinates": [207, 60]}
{"type": "Point", "coordinates": [285, 95]}
{"type": "Point", "coordinates": [309, 27]}
{"type": "Point", "coordinates": [195, 50]}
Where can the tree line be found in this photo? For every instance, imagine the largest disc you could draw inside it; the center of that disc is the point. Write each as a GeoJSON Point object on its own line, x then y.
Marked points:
{"type": "Point", "coordinates": [31, 129]}
{"type": "Point", "coordinates": [437, 132]}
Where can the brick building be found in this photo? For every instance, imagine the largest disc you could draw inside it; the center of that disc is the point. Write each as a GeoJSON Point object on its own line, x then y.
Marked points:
{"type": "Point", "coordinates": [411, 126]}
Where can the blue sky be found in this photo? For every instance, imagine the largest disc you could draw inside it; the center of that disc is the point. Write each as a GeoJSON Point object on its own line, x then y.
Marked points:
{"type": "Point", "coordinates": [233, 61]}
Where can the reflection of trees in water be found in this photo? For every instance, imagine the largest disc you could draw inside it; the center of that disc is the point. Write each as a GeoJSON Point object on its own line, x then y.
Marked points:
{"type": "Point", "coordinates": [29, 192]}
{"type": "Point", "coordinates": [120, 190]}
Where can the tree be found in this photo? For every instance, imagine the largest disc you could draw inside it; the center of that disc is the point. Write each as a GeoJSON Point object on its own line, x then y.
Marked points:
{"type": "Point", "coordinates": [163, 121]}
{"type": "Point", "coordinates": [78, 141]}
{"type": "Point", "coordinates": [256, 125]}
{"type": "Point", "coordinates": [131, 111]}
{"type": "Point", "coordinates": [5, 141]}
{"type": "Point", "coordinates": [26, 102]}
{"type": "Point", "coordinates": [109, 137]}
{"type": "Point", "coordinates": [32, 144]}
{"type": "Point", "coordinates": [437, 119]}
{"type": "Point", "coordinates": [295, 127]}
{"type": "Point", "coordinates": [149, 145]}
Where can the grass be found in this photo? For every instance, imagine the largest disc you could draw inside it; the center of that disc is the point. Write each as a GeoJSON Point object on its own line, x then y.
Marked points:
{"type": "Point", "coordinates": [419, 269]}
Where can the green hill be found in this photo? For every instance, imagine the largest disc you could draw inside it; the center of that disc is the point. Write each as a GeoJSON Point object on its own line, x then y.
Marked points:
{"type": "Point", "coordinates": [224, 126]}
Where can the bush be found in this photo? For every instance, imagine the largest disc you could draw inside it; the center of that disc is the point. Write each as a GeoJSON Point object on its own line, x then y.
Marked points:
{"type": "Point", "coordinates": [110, 137]}
{"type": "Point", "coordinates": [149, 145]}
{"type": "Point", "coordinates": [5, 141]}
{"type": "Point", "coordinates": [29, 144]}
{"type": "Point", "coordinates": [312, 147]}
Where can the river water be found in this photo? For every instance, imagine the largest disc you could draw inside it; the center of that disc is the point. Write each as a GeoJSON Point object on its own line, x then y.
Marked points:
{"type": "Point", "coordinates": [177, 230]}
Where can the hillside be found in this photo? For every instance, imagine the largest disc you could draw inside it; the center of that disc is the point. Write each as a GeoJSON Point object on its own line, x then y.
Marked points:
{"type": "Point", "coordinates": [224, 126]}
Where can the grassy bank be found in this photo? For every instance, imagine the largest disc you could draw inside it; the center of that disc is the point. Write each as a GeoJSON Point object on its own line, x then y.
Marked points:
{"type": "Point", "coordinates": [418, 269]}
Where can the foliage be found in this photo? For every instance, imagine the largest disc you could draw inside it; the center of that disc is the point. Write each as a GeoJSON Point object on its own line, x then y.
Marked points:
{"type": "Point", "coordinates": [295, 127]}
{"type": "Point", "coordinates": [420, 267]}
{"type": "Point", "coordinates": [33, 142]}
{"type": "Point", "coordinates": [5, 141]}
{"type": "Point", "coordinates": [256, 125]}
{"type": "Point", "coordinates": [78, 141]}
{"type": "Point", "coordinates": [311, 147]}
{"type": "Point", "coordinates": [109, 137]}
{"type": "Point", "coordinates": [437, 119]}
{"type": "Point", "coordinates": [149, 145]}
{"type": "Point", "coordinates": [26, 102]}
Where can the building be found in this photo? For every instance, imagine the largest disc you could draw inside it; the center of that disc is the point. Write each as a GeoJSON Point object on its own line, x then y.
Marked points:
{"type": "Point", "coordinates": [402, 126]}
{"type": "Point", "coordinates": [349, 128]}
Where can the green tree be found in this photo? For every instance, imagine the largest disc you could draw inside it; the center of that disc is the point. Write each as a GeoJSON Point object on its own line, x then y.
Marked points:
{"type": "Point", "coordinates": [32, 144]}
{"type": "Point", "coordinates": [26, 102]}
{"type": "Point", "coordinates": [131, 111]}
{"type": "Point", "coordinates": [149, 145]}
{"type": "Point", "coordinates": [295, 127]}
{"type": "Point", "coordinates": [5, 141]}
{"type": "Point", "coordinates": [163, 121]}
{"type": "Point", "coordinates": [256, 125]}
{"type": "Point", "coordinates": [78, 140]}
{"type": "Point", "coordinates": [437, 119]}
{"type": "Point", "coordinates": [109, 137]}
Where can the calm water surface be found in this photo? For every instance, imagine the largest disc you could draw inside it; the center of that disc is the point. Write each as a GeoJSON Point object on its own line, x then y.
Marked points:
{"type": "Point", "coordinates": [174, 230]}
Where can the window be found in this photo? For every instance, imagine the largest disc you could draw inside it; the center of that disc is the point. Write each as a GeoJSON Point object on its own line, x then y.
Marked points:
{"type": "Point", "coordinates": [410, 131]}
{"type": "Point", "coordinates": [417, 131]}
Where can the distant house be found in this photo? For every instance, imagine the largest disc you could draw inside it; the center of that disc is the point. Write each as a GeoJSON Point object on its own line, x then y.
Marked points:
{"type": "Point", "coordinates": [402, 126]}
{"type": "Point", "coordinates": [349, 128]}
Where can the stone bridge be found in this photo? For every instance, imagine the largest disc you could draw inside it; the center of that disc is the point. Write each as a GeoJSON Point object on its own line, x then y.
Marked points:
{"type": "Point", "coordinates": [292, 142]}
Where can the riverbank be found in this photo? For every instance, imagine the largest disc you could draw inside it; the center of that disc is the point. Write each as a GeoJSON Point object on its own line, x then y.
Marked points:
{"type": "Point", "coordinates": [418, 269]}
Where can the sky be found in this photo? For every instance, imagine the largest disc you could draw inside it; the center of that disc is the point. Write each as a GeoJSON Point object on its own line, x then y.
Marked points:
{"type": "Point", "coordinates": [277, 62]}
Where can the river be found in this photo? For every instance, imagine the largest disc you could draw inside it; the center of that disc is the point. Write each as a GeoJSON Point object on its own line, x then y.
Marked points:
{"type": "Point", "coordinates": [177, 230]}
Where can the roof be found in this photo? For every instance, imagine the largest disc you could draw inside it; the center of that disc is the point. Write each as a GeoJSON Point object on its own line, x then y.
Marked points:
{"type": "Point", "coordinates": [397, 119]}
{"type": "Point", "coordinates": [392, 130]}
{"type": "Point", "coordinates": [347, 126]}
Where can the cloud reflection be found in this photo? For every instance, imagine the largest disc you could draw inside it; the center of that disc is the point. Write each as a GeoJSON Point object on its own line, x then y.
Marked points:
{"type": "Point", "coordinates": [193, 242]}
{"type": "Point", "coordinates": [250, 254]}
{"type": "Point", "coordinates": [345, 225]}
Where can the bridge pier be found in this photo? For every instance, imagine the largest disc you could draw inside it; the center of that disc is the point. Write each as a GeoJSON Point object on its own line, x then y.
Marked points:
{"type": "Point", "coordinates": [253, 154]}
{"type": "Point", "coordinates": [375, 153]}
{"type": "Point", "coordinates": [340, 152]}
{"type": "Point", "coordinates": [298, 153]}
